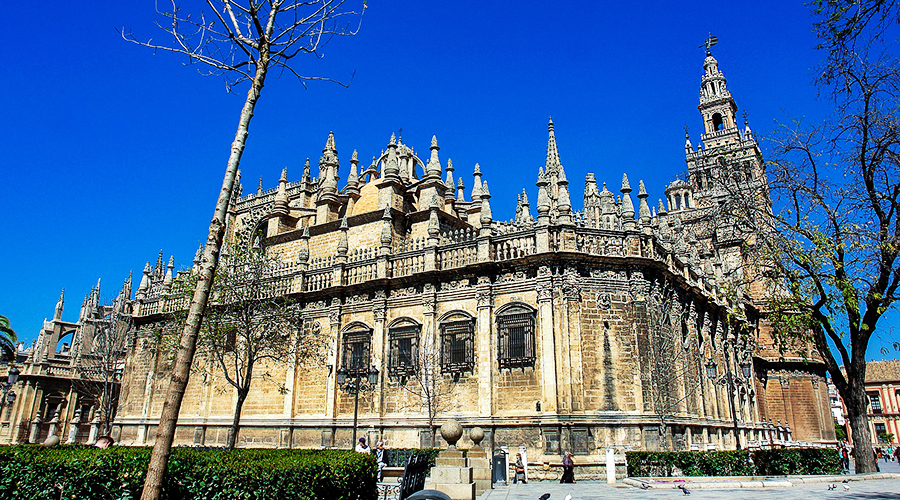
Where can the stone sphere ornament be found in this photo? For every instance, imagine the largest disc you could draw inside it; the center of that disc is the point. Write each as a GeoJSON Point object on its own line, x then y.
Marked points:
{"type": "Point", "coordinates": [451, 431]}
{"type": "Point", "coordinates": [476, 434]}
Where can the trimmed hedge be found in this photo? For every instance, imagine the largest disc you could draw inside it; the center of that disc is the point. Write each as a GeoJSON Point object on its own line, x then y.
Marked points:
{"type": "Point", "coordinates": [37, 473]}
{"type": "Point", "coordinates": [777, 462]}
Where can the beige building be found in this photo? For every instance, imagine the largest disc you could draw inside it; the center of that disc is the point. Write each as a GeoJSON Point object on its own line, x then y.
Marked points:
{"type": "Point", "coordinates": [558, 330]}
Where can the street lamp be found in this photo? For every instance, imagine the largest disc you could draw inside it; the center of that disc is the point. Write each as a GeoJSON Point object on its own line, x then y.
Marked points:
{"type": "Point", "coordinates": [9, 395]}
{"type": "Point", "coordinates": [353, 383]}
{"type": "Point", "coordinates": [713, 374]}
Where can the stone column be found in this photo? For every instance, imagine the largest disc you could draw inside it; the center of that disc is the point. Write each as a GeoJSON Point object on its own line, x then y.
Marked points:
{"type": "Point", "coordinates": [334, 324]}
{"type": "Point", "coordinates": [485, 346]}
{"type": "Point", "coordinates": [547, 335]}
{"type": "Point", "coordinates": [572, 295]}
{"type": "Point", "coordinates": [379, 347]}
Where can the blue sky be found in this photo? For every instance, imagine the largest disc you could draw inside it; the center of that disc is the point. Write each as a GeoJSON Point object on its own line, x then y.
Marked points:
{"type": "Point", "coordinates": [113, 152]}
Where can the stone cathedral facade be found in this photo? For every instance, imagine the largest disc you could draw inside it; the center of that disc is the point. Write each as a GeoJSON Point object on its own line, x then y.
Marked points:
{"type": "Point", "coordinates": [558, 330]}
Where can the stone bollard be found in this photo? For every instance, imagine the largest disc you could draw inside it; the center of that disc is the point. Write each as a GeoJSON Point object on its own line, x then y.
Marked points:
{"type": "Point", "coordinates": [478, 460]}
{"type": "Point", "coordinates": [450, 473]}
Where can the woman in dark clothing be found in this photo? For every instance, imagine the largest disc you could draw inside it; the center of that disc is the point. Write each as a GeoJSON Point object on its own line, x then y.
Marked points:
{"type": "Point", "coordinates": [568, 469]}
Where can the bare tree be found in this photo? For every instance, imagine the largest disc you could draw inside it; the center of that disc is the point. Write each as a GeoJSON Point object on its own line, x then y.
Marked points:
{"type": "Point", "coordinates": [242, 42]}
{"type": "Point", "coordinates": [99, 368]}
{"type": "Point", "coordinates": [430, 388]}
{"type": "Point", "coordinates": [250, 325]}
{"type": "Point", "coordinates": [672, 378]}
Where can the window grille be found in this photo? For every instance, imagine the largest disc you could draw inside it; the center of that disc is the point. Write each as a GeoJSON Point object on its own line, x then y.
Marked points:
{"type": "Point", "coordinates": [516, 330]}
{"type": "Point", "coordinates": [404, 350]}
{"type": "Point", "coordinates": [357, 345]}
{"type": "Point", "coordinates": [457, 346]}
{"type": "Point", "coordinates": [875, 401]}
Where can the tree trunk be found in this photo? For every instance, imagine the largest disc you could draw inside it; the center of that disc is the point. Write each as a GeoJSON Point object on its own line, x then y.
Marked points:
{"type": "Point", "coordinates": [863, 452]}
{"type": "Point", "coordinates": [159, 459]}
{"type": "Point", "coordinates": [236, 421]}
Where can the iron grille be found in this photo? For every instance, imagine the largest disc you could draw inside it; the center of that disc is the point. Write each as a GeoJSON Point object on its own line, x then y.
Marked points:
{"type": "Point", "coordinates": [457, 346]}
{"type": "Point", "coordinates": [516, 340]}
{"type": "Point", "coordinates": [357, 345]}
{"type": "Point", "coordinates": [404, 353]}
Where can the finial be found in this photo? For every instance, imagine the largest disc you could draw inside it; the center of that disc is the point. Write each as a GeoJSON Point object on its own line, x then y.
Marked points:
{"type": "Point", "coordinates": [626, 188]}
{"type": "Point", "coordinates": [710, 41]}
{"type": "Point", "coordinates": [283, 175]}
{"type": "Point", "coordinates": [686, 134]}
{"type": "Point", "coordinates": [354, 157]}
{"type": "Point", "coordinates": [393, 140]}
{"type": "Point", "coordinates": [550, 124]}
{"type": "Point", "coordinates": [641, 190]}
{"type": "Point", "coordinates": [259, 186]}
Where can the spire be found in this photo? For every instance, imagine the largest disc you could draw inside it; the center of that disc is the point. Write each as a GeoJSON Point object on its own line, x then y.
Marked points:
{"type": "Point", "coordinates": [552, 164]}
{"type": "Point", "coordinates": [353, 177]}
{"type": "Point", "coordinates": [476, 188]}
{"type": "Point", "coordinates": [126, 289]}
{"type": "Point", "coordinates": [57, 314]}
{"type": "Point", "coordinates": [461, 190]}
{"type": "Point", "coordinates": [259, 186]}
{"type": "Point", "coordinates": [145, 279]}
{"type": "Point", "coordinates": [158, 269]}
{"type": "Point", "coordinates": [662, 208]}
{"type": "Point", "coordinates": [451, 194]}
{"type": "Point", "coordinates": [526, 209]}
{"type": "Point", "coordinates": [168, 279]}
{"type": "Point", "coordinates": [688, 147]}
{"type": "Point", "coordinates": [392, 165]}
{"type": "Point", "coordinates": [543, 201]}
{"type": "Point", "coordinates": [627, 205]}
{"type": "Point", "coordinates": [433, 169]}
{"type": "Point", "coordinates": [563, 204]}
{"type": "Point", "coordinates": [644, 208]}
{"type": "Point", "coordinates": [306, 173]}
{"type": "Point", "coordinates": [281, 199]}
{"type": "Point", "coordinates": [486, 216]}
{"type": "Point", "coordinates": [238, 188]}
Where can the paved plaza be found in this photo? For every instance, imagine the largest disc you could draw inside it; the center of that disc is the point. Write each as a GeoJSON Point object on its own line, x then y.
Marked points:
{"type": "Point", "coordinates": [598, 490]}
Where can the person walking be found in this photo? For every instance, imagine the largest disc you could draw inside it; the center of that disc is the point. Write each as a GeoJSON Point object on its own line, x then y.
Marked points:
{"type": "Point", "coordinates": [568, 464]}
{"type": "Point", "coordinates": [520, 470]}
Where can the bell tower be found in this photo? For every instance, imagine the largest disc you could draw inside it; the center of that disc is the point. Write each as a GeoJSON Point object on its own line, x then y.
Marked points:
{"type": "Point", "coordinates": [724, 152]}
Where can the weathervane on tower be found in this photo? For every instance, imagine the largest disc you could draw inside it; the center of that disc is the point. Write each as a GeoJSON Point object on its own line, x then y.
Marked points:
{"type": "Point", "coordinates": [710, 41]}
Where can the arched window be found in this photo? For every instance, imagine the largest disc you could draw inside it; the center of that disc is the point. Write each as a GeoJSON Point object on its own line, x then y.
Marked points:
{"type": "Point", "coordinates": [515, 328]}
{"type": "Point", "coordinates": [403, 336]}
{"type": "Point", "coordinates": [718, 122]}
{"type": "Point", "coordinates": [357, 348]}
{"type": "Point", "coordinates": [457, 342]}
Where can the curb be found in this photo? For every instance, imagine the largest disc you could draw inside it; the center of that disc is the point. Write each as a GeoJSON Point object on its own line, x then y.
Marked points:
{"type": "Point", "coordinates": [727, 483]}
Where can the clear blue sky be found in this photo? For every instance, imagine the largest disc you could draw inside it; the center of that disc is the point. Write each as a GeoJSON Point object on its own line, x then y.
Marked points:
{"type": "Point", "coordinates": [112, 153]}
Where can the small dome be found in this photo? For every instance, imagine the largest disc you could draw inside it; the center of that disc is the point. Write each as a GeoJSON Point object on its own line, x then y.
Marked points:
{"type": "Point", "coordinates": [679, 184]}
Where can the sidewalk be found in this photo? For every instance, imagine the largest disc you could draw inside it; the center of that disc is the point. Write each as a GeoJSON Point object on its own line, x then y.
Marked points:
{"type": "Point", "coordinates": [803, 488]}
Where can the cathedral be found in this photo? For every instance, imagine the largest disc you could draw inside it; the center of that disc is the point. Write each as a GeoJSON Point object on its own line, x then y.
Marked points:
{"type": "Point", "coordinates": [629, 323]}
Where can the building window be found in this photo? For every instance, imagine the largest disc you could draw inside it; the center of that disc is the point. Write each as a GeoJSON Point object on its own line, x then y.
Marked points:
{"type": "Point", "coordinates": [875, 401]}
{"type": "Point", "coordinates": [357, 348]}
{"type": "Point", "coordinates": [404, 349]}
{"type": "Point", "coordinates": [880, 431]}
{"type": "Point", "coordinates": [457, 344]}
{"type": "Point", "coordinates": [516, 337]}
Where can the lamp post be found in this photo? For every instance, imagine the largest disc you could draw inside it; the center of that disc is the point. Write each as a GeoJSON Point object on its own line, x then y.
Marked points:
{"type": "Point", "coordinates": [9, 395]}
{"type": "Point", "coordinates": [729, 380]}
{"type": "Point", "coordinates": [354, 382]}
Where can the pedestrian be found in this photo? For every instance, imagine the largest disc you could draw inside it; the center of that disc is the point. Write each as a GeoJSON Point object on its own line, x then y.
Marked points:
{"type": "Point", "coordinates": [897, 453]}
{"type": "Point", "coordinates": [568, 464]}
{"type": "Point", "coordinates": [520, 470]}
{"type": "Point", "coordinates": [380, 458]}
{"type": "Point", "coordinates": [361, 447]}
{"type": "Point", "coordinates": [845, 458]}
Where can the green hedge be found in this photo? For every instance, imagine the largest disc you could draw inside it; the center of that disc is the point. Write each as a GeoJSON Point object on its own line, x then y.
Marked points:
{"type": "Point", "coordinates": [775, 462]}
{"type": "Point", "coordinates": [38, 473]}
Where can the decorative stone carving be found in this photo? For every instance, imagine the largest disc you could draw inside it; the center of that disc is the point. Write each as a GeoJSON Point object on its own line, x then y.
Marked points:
{"type": "Point", "coordinates": [544, 290]}
{"type": "Point", "coordinates": [451, 431]}
{"type": "Point", "coordinates": [604, 302]}
{"type": "Point", "coordinates": [543, 271]}
{"type": "Point", "coordinates": [572, 284]}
